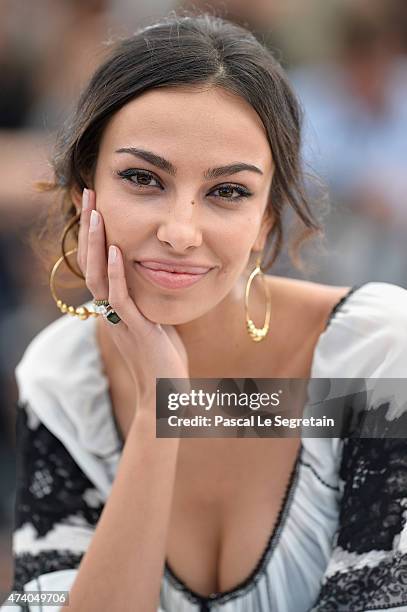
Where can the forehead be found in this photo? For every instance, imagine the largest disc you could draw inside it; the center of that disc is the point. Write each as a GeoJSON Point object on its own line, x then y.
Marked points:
{"type": "Point", "coordinates": [191, 122]}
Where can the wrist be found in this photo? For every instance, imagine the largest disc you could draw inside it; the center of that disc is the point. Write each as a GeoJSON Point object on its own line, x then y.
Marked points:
{"type": "Point", "coordinates": [144, 427]}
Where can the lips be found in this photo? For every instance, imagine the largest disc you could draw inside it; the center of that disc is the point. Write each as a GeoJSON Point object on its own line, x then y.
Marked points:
{"type": "Point", "coordinates": [172, 267]}
{"type": "Point", "coordinates": [170, 280]}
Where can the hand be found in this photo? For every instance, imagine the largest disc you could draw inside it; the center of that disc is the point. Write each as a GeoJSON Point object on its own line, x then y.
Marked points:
{"type": "Point", "coordinates": [150, 350]}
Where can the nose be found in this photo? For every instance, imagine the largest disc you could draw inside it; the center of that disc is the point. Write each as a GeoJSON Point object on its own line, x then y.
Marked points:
{"type": "Point", "coordinates": [179, 227]}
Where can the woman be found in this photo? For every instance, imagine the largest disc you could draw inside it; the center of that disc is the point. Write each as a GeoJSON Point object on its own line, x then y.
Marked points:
{"type": "Point", "coordinates": [184, 150]}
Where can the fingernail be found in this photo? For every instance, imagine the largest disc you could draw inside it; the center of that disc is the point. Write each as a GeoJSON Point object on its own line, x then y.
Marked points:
{"type": "Point", "coordinates": [94, 220]}
{"type": "Point", "coordinates": [112, 254]}
{"type": "Point", "coordinates": [85, 199]}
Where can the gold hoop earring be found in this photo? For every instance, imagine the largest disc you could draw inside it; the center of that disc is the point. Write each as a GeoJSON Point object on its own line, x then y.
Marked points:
{"type": "Point", "coordinates": [257, 334]}
{"type": "Point", "coordinates": [81, 311]}
{"type": "Point", "coordinates": [67, 227]}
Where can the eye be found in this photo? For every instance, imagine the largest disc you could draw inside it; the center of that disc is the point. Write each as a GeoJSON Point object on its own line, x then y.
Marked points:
{"type": "Point", "coordinates": [143, 177]}
{"type": "Point", "coordinates": [227, 190]}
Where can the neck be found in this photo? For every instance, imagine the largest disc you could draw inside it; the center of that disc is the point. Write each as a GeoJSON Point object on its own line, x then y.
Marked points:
{"type": "Point", "coordinates": [218, 340]}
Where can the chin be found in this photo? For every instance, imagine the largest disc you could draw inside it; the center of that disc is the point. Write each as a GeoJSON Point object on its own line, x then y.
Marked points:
{"type": "Point", "coordinates": [165, 311]}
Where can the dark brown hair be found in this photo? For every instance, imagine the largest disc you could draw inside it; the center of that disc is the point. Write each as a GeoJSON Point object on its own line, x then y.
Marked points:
{"type": "Point", "coordinates": [200, 50]}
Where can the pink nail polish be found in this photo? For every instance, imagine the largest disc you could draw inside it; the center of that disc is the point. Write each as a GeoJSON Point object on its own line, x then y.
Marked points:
{"type": "Point", "coordinates": [85, 199]}
{"type": "Point", "coordinates": [112, 254]}
{"type": "Point", "coordinates": [94, 220]}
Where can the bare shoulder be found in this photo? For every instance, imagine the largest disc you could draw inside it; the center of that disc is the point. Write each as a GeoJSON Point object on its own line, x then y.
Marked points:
{"type": "Point", "coordinates": [309, 300]}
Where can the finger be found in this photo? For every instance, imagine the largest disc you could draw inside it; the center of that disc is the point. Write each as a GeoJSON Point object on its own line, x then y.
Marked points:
{"type": "Point", "coordinates": [119, 297]}
{"type": "Point", "coordinates": [96, 265]}
{"type": "Point", "coordinates": [88, 202]}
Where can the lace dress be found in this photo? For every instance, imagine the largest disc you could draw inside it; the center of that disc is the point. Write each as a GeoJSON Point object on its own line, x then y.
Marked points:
{"type": "Point", "coordinates": [340, 541]}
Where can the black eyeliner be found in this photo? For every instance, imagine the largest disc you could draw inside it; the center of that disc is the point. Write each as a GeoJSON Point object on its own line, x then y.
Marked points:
{"type": "Point", "coordinates": [130, 172]}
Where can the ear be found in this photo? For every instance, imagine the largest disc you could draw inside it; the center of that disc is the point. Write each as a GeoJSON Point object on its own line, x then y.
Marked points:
{"type": "Point", "coordinates": [266, 225]}
{"type": "Point", "coordinates": [76, 197]}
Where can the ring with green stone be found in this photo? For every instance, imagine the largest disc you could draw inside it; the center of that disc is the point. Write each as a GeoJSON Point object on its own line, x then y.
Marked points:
{"type": "Point", "coordinates": [103, 308]}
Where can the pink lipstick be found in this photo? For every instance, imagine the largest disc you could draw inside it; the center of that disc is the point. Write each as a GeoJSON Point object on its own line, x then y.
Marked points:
{"type": "Point", "coordinates": [170, 280]}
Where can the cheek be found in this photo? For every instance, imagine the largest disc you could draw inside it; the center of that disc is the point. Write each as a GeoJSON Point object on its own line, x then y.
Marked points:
{"type": "Point", "coordinates": [121, 227]}
{"type": "Point", "coordinates": [234, 257]}
{"type": "Point", "coordinates": [239, 237]}
{"type": "Point", "coordinates": [116, 228]}
{"type": "Point", "coordinates": [111, 200]}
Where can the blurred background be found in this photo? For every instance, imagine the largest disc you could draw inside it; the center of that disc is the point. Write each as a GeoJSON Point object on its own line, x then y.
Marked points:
{"type": "Point", "coordinates": [347, 61]}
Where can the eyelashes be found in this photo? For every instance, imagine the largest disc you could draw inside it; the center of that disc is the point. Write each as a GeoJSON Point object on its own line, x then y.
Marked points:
{"type": "Point", "coordinates": [146, 176]}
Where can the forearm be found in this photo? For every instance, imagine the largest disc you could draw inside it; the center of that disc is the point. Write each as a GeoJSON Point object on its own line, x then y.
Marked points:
{"type": "Point", "coordinates": [123, 566]}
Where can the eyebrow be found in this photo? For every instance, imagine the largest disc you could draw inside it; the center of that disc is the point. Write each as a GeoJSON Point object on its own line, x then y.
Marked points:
{"type": "Point", "coordinates": [164, 164]}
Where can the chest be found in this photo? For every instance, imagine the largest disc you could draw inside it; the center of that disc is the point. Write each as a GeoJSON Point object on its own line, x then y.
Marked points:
{"type": "Point", "coordinates": [227, 499]}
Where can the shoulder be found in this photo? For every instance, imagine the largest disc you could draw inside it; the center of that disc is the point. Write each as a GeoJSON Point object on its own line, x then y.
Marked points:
{"type": "Point", "coordinates": [307, 304]}
{"type": "Point", "coordinates": [322, 298]}
{"type": "Point", "coordinates": [375, 307]}
{"type": "Point", "coordinates": [366, 334]}
{"type": "Point", "coordinates": [62, 387]}
{"type": "Point", "coordinates": [54, 354]}
{"type": "Point", "coordinates": [58, 335]}
{"type": "Point", "coordinates": [367, 306]}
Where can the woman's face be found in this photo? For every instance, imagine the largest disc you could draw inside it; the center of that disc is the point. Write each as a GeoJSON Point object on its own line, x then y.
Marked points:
{"type": "Point", "coordinates": [175, 209]}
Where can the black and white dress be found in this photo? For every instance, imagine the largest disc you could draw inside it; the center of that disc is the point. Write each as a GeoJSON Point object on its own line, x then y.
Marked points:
{"type": "Point", "coordinates": [340, 541]}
